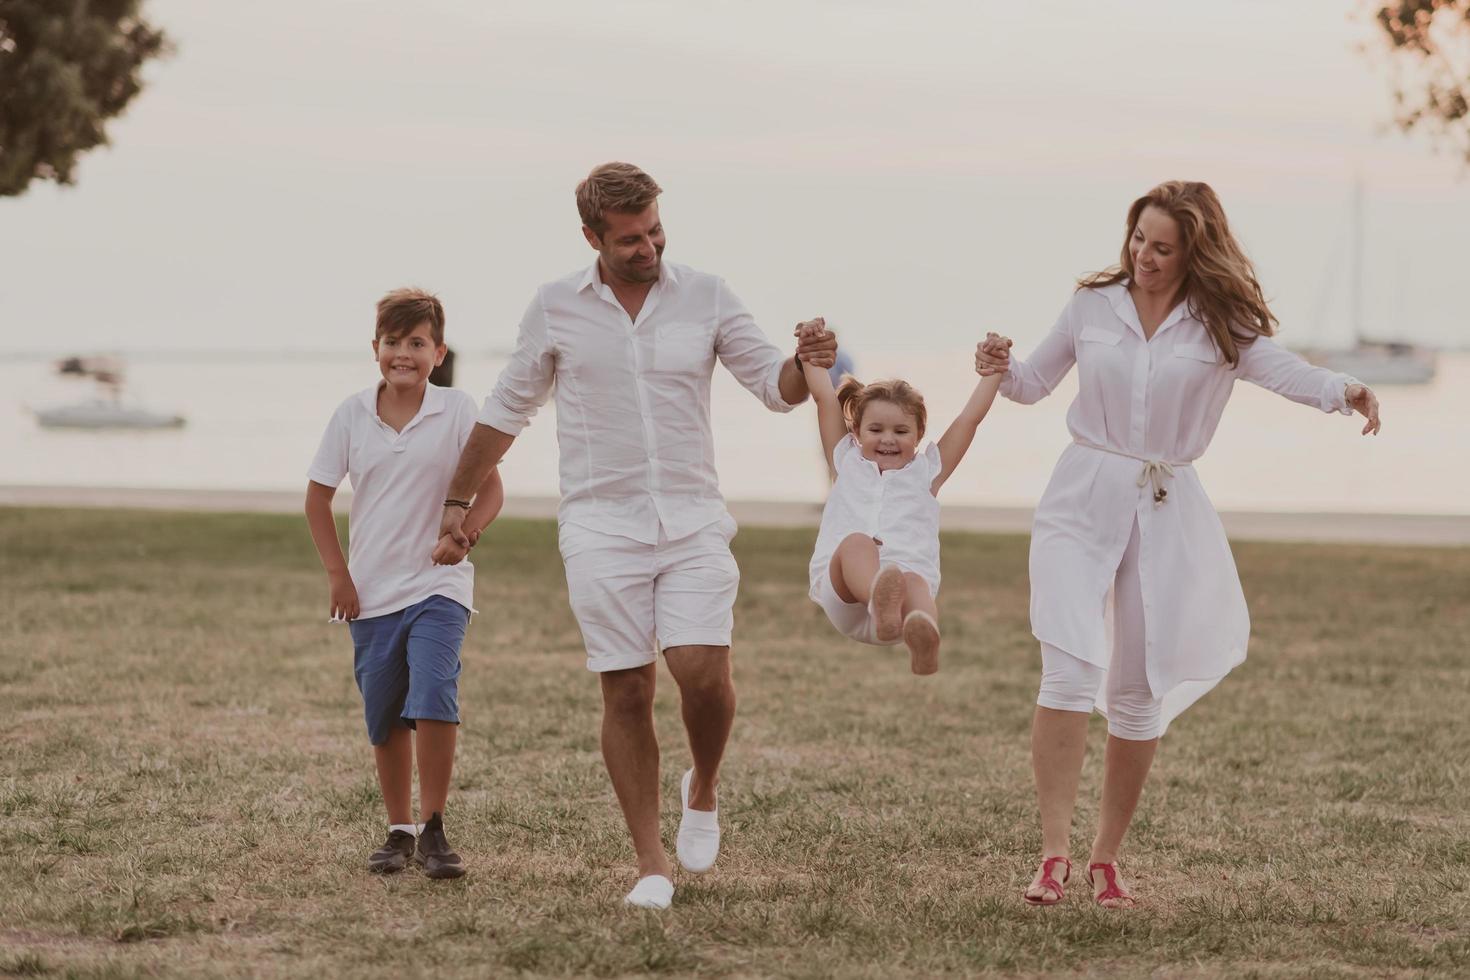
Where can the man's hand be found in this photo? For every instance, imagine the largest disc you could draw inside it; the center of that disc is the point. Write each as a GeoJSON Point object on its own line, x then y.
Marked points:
{"type": "Point", "coordinates": [993, 355]}
{"type": "Point", "coordinates": [449, 551]}
{"type": "Point", "coordinates": [1362, 400]}
{"type": "Point", "coordinates": [815, 344]}
{"type": "Point", "coordinates": [344, 604]}
{"type": "Point", "coordinates": [452, 524]}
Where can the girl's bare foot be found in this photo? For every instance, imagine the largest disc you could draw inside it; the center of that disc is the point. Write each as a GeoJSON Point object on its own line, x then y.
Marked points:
{"type": "Point", "coordinates": [921, 636]}
{"type": "Point", "coordinates": [886, 604]}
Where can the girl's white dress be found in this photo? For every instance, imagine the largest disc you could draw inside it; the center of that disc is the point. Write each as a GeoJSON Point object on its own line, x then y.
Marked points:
{"type": "Point", "coordinates": [896, 507]}
{"type": "Point", "coordinates": [1144, 412]}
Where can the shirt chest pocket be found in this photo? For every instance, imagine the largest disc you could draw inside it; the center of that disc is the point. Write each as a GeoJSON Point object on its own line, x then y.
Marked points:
{"type": "Point", "coordinates": [1100, 335]}
{"type": "Point", "coordinates": [1095, 345]}
{"type": "Point", "coordinates": [682, 348]}
{"type": "Point", "coordinates": [1199, 352]}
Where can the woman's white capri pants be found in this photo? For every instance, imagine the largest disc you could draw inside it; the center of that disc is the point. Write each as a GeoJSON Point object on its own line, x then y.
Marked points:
{"type": "Point", "coordinates": [1071, 684]}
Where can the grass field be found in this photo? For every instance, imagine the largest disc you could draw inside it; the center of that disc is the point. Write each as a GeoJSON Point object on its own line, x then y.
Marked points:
{"type": "Point", "coordinates": [186, 789]}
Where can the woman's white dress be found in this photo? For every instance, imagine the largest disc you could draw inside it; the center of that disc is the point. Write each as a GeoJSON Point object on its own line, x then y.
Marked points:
{"type": "Point", "coordinates": [1142, 403]}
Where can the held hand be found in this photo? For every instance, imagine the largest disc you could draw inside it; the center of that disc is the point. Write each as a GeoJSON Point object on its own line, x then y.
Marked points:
{"type": "Point", "coordinates": [1362, 400]}
{"type": "Point", "coordinates": [449, 551]}
{"type": "Point", "coordinates": [344, 604]}
{"type": "Point", "coordinates": [452, 524]}
{"type": "Point", "coordinates": [815, 344]}
{"type": "Point", "coordinates": [993, 355]}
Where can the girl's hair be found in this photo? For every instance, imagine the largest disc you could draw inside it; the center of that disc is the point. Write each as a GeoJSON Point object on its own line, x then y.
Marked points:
{"type": "Point", "coordinates": [1219, 281]}
{"type": "Point", "coordinates": [853, 397]}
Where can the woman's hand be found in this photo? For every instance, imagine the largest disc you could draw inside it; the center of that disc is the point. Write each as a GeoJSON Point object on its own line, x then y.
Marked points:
{"type": "Point", "coordinates": [1362, 400]}
{"type": "Point", "coordinates": [993, 355]}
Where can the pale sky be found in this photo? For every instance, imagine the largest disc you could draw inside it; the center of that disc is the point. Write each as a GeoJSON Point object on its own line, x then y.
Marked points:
{"type": "Point", "coordinates": [916, 172]}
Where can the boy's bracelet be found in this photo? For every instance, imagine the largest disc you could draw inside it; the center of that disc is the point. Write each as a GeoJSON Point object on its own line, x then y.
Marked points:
{"type": "Point", "coordinates": [451, 502]}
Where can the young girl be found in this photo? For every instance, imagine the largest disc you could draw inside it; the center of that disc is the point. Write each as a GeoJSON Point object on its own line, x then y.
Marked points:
{"type": "Point", "coordinates": [875, 571]}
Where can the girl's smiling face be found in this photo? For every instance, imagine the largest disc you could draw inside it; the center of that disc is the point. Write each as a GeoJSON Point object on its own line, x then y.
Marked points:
{"type": "Point", "coordinates": [888, 435]}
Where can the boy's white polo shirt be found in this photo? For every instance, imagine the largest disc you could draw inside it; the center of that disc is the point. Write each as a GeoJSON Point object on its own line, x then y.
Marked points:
{"type": "Point", "coordinates": [398, 484]}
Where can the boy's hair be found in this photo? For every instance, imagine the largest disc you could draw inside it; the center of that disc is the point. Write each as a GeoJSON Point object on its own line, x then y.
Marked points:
{"type": "Point", "coordinates": [854, 397]}
{"type": "Point", "coordinates": [614, 187]}
{"type": "Point", "coordinates": [403, 309]}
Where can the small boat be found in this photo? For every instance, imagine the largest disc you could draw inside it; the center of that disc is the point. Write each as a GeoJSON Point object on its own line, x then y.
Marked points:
{"type": "Point", "coordinates": [1380, 363]}
{"type": "Point", "coordinates": [109, 412]}
{"type": "Point", "coordinates": [102, 413]}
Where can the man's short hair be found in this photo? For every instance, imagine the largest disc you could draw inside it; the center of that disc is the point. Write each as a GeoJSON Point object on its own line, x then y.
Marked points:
{"type": "Point", "coordinates": [403, 309]}
{"type": "Point", "coordinates": [614, 187]}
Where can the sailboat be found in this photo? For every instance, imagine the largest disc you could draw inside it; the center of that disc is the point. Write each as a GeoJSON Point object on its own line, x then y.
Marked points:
{"type": "Point", "coordinates": [1381, 362]}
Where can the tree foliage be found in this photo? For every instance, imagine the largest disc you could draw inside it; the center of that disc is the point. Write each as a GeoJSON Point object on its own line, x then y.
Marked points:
{"type": "Point", "coordinates": [1429, 47]}
{"type": "Point", "coordinates": [66, 68]}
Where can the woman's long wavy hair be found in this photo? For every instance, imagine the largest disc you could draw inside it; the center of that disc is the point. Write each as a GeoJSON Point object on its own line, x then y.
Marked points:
{"type": "Point", "coordinates": [1219, 281]}
{"type": "Point", "coordinates": [854, 397]}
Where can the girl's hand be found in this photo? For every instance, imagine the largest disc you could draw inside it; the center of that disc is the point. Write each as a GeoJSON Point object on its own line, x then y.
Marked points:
{"type": "Point", "coordinates": [993, 355]}
{"type": "Point", "coordinates": [1362, 400]}
{"type": "Point", "coordinates": [815, 344]}
{"type": "Point", "coordinates": [344, 604]}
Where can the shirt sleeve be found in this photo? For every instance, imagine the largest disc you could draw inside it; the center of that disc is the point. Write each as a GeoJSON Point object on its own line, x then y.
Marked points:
{"type": "Point", "coordinates": [1036, 377]}
{"type": "Point", "coordinates": [1266, 363]}
{"type": "Point", "coordinates": [746, 352]}
{"type": "Point", "coordinates": [465, 416]}
{"type": "Point", "coordinates": [525, 384]}
{"type": "Point", "coordinates": [931, 456]}
{"type": "Point", "coordinates": [845, 447]}
{"type": "Point", "coordinates": [329, 465]}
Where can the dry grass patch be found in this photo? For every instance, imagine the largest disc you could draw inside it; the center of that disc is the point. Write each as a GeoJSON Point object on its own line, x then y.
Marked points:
{"type": "Point", "coordinates": [187, 790]}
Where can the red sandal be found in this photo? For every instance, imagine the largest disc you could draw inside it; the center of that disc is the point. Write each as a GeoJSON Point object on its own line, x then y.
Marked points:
{"type": "Point", "coordinates": [1054, 890]}
{"type": "Point", "coordinates": [1114, 892]}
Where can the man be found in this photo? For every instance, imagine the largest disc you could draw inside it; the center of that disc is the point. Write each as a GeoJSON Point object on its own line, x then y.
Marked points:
{"type": "Point", "coordinates": [630, 344]}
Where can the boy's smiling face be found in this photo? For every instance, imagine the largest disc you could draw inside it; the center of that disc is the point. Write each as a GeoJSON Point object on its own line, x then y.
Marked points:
{"type": "Point", "coordinates": [407, 359]}
{"type": "Point", "coordinates": [888, 435]}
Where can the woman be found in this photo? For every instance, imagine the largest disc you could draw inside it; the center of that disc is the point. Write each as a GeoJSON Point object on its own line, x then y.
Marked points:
{"type": "Point", "coordinates": [1134, 592]}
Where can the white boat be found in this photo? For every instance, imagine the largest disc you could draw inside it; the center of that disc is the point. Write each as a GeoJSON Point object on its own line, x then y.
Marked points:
{"type": "Point", "coordinates": [102, 413]}
{"type": "Point", "coordinates": [109, 412]}
{"type": "Point", "coordinates": [1373, 362]}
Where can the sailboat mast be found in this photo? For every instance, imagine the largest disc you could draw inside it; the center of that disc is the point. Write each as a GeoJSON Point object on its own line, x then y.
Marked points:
{"type": "Point", "coordinates": [1355, 258]}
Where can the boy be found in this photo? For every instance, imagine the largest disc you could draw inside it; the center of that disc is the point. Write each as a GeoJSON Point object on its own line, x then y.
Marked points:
{"type": "Point", "coordinates": [399, 442]}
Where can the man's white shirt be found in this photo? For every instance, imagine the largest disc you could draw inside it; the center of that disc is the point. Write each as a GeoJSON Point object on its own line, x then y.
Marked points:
{"type": "Point", "coordinates": [632, 396]}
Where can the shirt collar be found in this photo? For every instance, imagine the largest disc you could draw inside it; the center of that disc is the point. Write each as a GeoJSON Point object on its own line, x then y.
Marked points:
{"type": "Point", "coordinates": [433, 400]}
{"type": "Point", "coordinates": [592, 278]}
{"type": "Point", "coordinates": [1122, 303]}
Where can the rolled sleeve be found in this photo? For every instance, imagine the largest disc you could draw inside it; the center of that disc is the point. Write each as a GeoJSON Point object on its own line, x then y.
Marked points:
{"type": "Point", "coordinates": [746, 352]}
{"type": "Point", "coordinates": [525, 384]}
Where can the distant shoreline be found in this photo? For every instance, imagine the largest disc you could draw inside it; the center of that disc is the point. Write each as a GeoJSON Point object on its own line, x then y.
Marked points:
{"type": "Point", "coordinates": [1438, 530]}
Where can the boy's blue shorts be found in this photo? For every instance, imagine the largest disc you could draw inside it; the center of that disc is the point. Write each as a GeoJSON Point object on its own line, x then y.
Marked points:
{"type": "Point", "coordinates": [407, 665]}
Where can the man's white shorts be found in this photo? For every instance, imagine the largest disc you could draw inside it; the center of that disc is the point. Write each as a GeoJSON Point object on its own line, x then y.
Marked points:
{"type": "Point", "coordinates": [634, 599]}
{"type": "Point", "coordinates": [852, 619]}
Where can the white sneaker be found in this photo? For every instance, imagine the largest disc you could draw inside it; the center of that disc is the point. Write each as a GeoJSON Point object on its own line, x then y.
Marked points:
{"type": "Point", "coordinates": [654, 892]}
{"type": "Point", "coordinates": [699, 833]}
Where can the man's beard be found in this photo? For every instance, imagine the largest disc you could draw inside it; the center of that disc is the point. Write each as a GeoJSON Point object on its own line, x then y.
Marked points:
{"type": "Point", "coordinates": [644, 273]}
